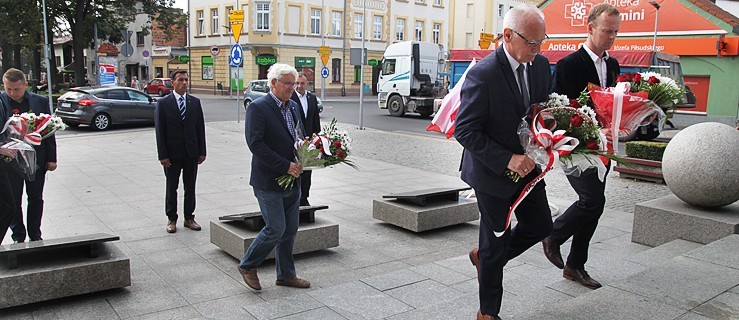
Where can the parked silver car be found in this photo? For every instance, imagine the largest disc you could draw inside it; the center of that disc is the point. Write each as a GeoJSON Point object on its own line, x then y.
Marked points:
{"type": "Point", "coordinates": [100, 107]}
{"type": "Point", "coordinates": [258, 88]}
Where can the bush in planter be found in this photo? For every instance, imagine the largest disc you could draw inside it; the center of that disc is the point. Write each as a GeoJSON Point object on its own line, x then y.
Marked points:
{"type": "Point", "coordinates": [649, 150]}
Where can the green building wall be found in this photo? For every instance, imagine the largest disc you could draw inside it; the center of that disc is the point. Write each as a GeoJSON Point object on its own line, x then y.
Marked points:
{"type": "Point", "coordinates": [723, 93]}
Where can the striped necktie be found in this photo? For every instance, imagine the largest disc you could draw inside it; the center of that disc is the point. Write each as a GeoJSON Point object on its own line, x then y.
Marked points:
{"type": "Point", "coordinates": [183, 108]}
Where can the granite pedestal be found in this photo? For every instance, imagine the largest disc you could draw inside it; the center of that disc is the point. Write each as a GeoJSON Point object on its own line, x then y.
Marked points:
{"type": "Point", "coordinates": [234, 237]}
{"type": "Point", "coordinates": [668, 218]}
{"type": "Point", "coordinates": [434, 215]}
{"type": "Point", "coordinates": [62, 273]}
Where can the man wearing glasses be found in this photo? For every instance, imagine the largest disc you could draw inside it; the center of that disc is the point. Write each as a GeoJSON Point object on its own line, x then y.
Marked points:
{"type": "Point", "coordinates": [590, 64]}
{"type": "Point", "coordinates": [495, 96]}
{"type": "Point", "coordinates": [272, 128]}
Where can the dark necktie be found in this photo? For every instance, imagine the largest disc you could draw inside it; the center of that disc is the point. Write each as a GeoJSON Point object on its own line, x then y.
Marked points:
{"type": "Point", "coordinates": [182, 106]}
{"type": "Point", "coordinates": [522, 85]}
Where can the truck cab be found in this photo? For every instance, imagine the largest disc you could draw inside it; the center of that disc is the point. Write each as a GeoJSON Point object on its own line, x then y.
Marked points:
{"type": "Point", "coordinates": [409, 79]}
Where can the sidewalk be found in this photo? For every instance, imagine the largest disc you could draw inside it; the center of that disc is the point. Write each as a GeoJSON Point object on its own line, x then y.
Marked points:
{"type": "Point", "coordinates": [113, 183]}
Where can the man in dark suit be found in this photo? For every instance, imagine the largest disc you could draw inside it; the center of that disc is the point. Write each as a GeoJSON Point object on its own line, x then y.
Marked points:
{"type": "Point", "coordinates": [272, 128]}
{"type": "Point", "coordinates": [19, 101]}
{"type": "Point", "coordinates": [180, 130]}
{"type": "Point", "coordinates": [495, 97]}
{"type": "Point", "coordinates": [308, 110]}
{"type": "Point", "coordinates": [590, 64]}
{"type": "Point", "coordinates": [7, 201]}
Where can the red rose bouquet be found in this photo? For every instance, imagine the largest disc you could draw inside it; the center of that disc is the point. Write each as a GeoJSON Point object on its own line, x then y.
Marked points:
{"type": "Point", "coordinates": [22, 132]}
{"type": "Point", "coordinates": [321, 151]}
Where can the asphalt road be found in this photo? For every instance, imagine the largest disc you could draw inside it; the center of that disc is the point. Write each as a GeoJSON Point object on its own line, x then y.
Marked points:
{"type": "Point", "coordinates": [344, 110]}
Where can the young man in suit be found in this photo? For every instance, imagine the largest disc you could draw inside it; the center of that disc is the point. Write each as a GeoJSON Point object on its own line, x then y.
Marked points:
{"type": "Point", "coordinates": [18, 100]}
{"type": "Point", "coordinates": [308, 110]}
{"type": "Point", "coordinates": [495, 96]}
{"type": "Point", "coordinates": [272, 127]}
{"type": "Point", "coordinates": [7, 201]}
{"type": "Point", "coordinates": [590, 64]}
{"type": "Point", "coordinates": [180, 131]}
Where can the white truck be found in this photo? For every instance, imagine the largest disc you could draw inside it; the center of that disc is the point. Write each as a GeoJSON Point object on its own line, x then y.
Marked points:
{"type": "Point", "coordinates": [410, 79]}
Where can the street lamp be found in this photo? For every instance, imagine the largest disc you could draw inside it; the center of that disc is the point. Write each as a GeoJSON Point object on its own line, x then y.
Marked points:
{"type": "Point", "coordinates": [656, 19]}
{"type": "Point", "coordinates": [230, 80]}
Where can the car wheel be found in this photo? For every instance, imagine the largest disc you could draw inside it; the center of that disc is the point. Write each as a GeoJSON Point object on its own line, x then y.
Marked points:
{"type": "Point", "coordinates": [101, 121]}
{"type": "Point", "coordinates": [395, 106]}
{"type": "Point", "coordinates": [161, 93]}
{"type": "Point", "coordinates": [246, 103]}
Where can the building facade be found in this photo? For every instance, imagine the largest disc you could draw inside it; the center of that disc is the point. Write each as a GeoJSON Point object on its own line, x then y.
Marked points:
{"type": "Point", "coordinates": [471, 17]}
{"type": "Point", "coordinates": [292, 31]}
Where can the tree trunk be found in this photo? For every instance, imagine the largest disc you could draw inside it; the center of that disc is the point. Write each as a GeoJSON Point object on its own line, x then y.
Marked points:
{"type": "Point", "coordinates": [17, 56]}
{"type": "Point", "coordinates": [51, 78]}
{"type": "Point", "coordinates": [7, 54]}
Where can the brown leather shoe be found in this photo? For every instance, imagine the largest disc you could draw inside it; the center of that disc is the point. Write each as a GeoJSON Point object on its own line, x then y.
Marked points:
{"type": "Point", "coordinates": [171, 226]}
{"type": "Point", "coordinates": [293, 282]}
{"type": "Point", "coordinates": [475, 259]}
{"type": "Point", "coordinates": [192, 225]}
{"type": "Point", "coordinates": [551, 251]}
{"type": "Point", "coordinates": [581, 276]}
{"type": "Point", "coordinates": [250, 277]}
{"type": "Point", "coordinates": [481, 316]}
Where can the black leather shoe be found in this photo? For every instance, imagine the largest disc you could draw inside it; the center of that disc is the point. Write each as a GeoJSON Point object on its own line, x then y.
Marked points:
{"type": "Point", "coordinates": [551, 251]}
{"type": "Point", "coordinates": [580, 276]}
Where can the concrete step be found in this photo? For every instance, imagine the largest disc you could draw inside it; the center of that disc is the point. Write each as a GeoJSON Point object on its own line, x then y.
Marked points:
{"type": "Point", "coordinates": [661, 254]}
{"type": "Point", "coordinates": [702, 283]}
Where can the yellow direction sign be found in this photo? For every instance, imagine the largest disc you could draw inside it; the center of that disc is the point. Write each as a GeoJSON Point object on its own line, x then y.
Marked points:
{"type": "Point", "coordinates": [236, 18]}
{"type": "Point", "coordinates": [324, 52]}
{"type": "Point", "coordinates": [487, 36]}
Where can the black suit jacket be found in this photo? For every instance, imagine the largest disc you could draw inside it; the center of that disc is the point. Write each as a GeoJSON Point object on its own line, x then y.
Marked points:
{"type": "Point", "coordinates": [46, 151]}
{"type": "Point", "coordinates": [573, 72]}
{"type": "Point", "coordinates": [490, 112]}
{"type": "Point", "coordinates": [311, 121]}
{"type": "Point", "coordinates": [270, 142]}
{"type": "Point", "coordinates": [177, 138]}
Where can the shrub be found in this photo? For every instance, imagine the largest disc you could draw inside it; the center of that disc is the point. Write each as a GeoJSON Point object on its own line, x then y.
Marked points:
{"type": "Point", "coordinates": [649, 150]}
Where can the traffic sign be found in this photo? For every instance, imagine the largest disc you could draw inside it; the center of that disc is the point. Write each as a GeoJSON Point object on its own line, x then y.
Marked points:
{"type": "Point", "coordinates": [215, 51]}
{"type": "Point", "coordinates": [324, 72]}
{"type": "Point", "coordinates": [236, 19]}
{"type": "Point", "coordinates": [236, 16]}
{"type": "Point", "coordinates": [487, 36]}
{"type": "Point", "coordinates": [236, 57]}
{"type": "Point", "coordinates": [324, 52]}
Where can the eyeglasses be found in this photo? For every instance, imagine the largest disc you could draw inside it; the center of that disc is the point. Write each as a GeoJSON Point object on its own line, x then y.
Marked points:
{"type": "Point", "coordinates": [289, 84]}
{"type": "Point", "coordinates": [532, 43]}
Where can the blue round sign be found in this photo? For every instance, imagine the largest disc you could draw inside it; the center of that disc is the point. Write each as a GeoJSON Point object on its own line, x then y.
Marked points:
{"type": "Point", "coordinates": [324, 72]}
{"type": "Point", "coordinates": [236, 55]}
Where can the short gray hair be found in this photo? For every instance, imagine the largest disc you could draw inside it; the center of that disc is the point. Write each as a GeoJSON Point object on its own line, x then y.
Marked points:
{"type": "Point", "coordinates": [516, 18]}
{"type": "Point", "coordinates": [277, 70]}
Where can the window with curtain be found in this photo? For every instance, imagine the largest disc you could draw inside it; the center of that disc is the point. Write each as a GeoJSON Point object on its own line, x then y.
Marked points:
{"type": "Point", "coordinates": [262, 16]}
{"type": "Point", "coordinates": [214, 21]}
{"type": "Point", "coordinates": [377, 28]}
{"type": "Point", "coordinates": [201, 21]}
{"type": "Point", "coordinates": [336, 24]}
{"type": "Point", "coordinates": [315, 21]}
{"type": "Point", "coordinates": [419, 30]}
{"type": "Point", "coordinates": [400, 30]}
{"type": "Point", "coordinates": [358, 25]}
{"type": "Point", "coordinates": [436, 32]}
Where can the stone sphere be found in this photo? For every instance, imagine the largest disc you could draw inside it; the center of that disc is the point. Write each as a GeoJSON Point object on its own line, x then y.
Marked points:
{"type": "Point", "coordinates": [700, 165]}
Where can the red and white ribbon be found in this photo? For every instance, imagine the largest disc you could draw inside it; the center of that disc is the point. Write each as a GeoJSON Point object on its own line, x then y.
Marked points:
{"type": "Point", "coordinates": [556, 144]}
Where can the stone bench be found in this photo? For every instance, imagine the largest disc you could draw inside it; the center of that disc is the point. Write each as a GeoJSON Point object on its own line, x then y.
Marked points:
{"type": "Point", "coordinates": [89, 242]}
{"type": "Point", "coordinates": [234, 233]}
{"type": "Point", "coordinates": [426, 209]}
{"type": "Point", "coordinates": [56, 268]}
{"type": "Point", "coordinates": [255, 222]}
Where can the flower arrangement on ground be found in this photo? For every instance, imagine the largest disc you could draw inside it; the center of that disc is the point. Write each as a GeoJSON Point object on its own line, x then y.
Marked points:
{"type": "Point", "coordinates": [320, 151]}
{"type": "Point", "coordinates": [22, 132]}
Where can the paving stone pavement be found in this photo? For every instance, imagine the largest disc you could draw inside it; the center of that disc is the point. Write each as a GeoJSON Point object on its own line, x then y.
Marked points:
{"type": "Point", "coordinates": [113, 183]}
